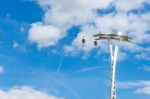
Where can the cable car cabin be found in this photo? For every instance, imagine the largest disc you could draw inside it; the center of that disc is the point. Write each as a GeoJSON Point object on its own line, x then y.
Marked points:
{"type": "Point", "coordinates": [83, 41]}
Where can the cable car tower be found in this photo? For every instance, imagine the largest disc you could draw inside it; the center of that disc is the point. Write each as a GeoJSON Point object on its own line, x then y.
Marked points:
{"type": "Point", "coordinates": [113, 40]}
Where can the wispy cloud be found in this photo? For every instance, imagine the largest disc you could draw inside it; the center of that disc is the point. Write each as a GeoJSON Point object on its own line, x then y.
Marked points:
{"type": "Point", "coordinates": [140, 87]}
{"type": "Point", "coordinates": [145, 90]}
{"type": "Point", "coordinates": [147, 68]}
{"type": "Point", "coordinates": [143, 56]}
{"type": "Point", "coordinates": [15, 44]}
{"type": "Point", "coordinates": [1, 69]}
{"type": "Point", "coordinates": [89, 69]}
{"type": "Point", "coordinates": [144, 68]}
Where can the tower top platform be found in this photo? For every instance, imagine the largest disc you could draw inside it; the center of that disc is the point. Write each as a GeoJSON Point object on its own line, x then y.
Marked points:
{"type": "Point", "coordinates": [112, 36]}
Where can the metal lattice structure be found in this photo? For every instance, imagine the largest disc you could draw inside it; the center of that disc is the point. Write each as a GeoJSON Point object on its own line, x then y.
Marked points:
{"type": "Point", "coordinates": [113, 47]}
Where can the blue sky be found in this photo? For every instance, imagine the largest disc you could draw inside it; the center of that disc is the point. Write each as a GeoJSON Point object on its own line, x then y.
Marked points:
{"type": "Point", "coordinates": [41, 55]}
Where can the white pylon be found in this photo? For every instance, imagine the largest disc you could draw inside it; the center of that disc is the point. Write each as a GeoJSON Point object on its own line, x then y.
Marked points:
{"type": "Point", "coordinates": [113, 47]}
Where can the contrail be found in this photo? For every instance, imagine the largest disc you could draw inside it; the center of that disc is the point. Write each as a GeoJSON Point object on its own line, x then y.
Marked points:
{"type": "Point", "coordinates": [60, 64]}
{"type": "Point", "coordinates": [90, 69]}
{"type": "Point", "coordinates": [64, 83]}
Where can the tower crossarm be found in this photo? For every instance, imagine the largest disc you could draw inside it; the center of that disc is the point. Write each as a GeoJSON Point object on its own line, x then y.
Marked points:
{"type": "Point", "coordinates": [113, 37]}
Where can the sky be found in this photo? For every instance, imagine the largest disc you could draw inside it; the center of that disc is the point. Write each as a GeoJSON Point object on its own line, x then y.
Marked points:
{"type": "Point", "coordinates": [42, 57]}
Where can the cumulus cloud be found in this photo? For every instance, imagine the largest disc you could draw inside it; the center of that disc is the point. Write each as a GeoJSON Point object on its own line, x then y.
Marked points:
{"type": "Point", "coordinates": [70, 12]}
{"type": "Point", "coordinates": [25, 93]}
{"type": "Point", "coordinates": [44, 35]}
{"type": "Point", "coordinates": [133, 24]}
{"type": "Point", "coordinates": [61, 15]}
{"type": "Point", "coordinates": [127, 5]}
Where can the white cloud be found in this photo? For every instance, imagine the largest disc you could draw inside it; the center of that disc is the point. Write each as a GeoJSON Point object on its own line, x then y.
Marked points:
{"type": "Point", "coordinates": [140, 87]}
{"type": "Point", "coordinates": [25, 93]}
{"type": "Point", "coordinates": [133, 84]}
{"type": "Point", "coordinates": [61, 15]}
{"type": "Point", "coordinates": [15, 44]}
{"type": "Point", "coordinates": [127, 5]}
{"type": "Point", "coordinates": [133, 24]}
{"type": "Point", "coordinates": [1, 69]}
{"type": "Point", "coordinates": [144, 56]}
{"type": "Point", "coordinates": [70, 12]}
{"type": "Point", "coordinates": [145, 90]}
{"type": "Point", "coordinates": [127, 23]}
{"type": "Point", "coordinates": [44, 35]}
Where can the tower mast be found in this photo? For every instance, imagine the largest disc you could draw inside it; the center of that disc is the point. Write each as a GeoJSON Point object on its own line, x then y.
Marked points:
{"type": "Point", "coordinates": [113, 47]}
